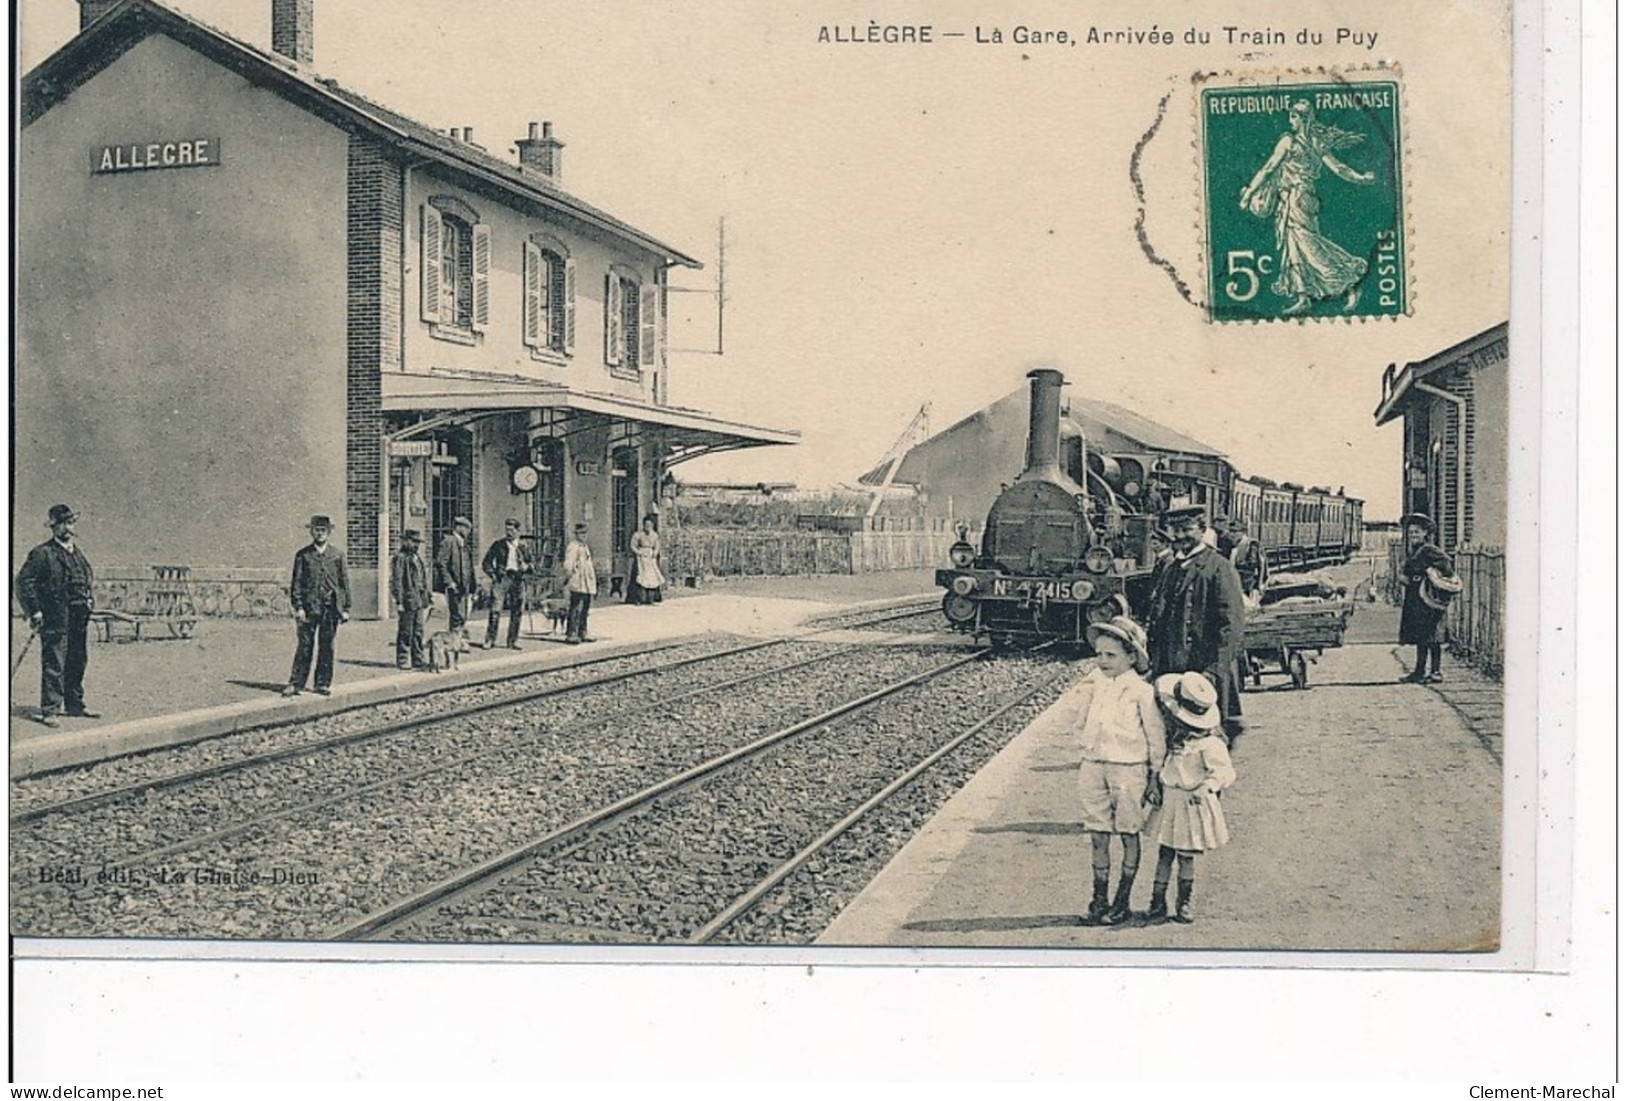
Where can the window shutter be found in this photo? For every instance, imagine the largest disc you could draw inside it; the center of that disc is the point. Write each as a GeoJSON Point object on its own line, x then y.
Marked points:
{"type": "Point", "coordinates": [430, 307]}
{"type": "Point", "coordinates": [535, 277]}
{"type": "Point", "coordinates": [648, 311]}
{"type": "Point", "coordinates": [612, 319]}
{"type": "Point", "coordinates": [482, 277]}
{"type": "Point", "coordinates": [569, 307]}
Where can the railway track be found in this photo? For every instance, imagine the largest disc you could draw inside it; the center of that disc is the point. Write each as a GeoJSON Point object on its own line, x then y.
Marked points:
{"type": "Point", "coordinates": [528, 761]}
{"type": "Point", "coordinates": [606, 839]}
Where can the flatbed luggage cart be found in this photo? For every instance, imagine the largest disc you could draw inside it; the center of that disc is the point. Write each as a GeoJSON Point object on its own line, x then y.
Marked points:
{"type": "Point", "coordinates": [1278, 637]}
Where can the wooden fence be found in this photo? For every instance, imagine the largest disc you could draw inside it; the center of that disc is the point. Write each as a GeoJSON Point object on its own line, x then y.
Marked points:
{"type": "Point", "coordinates": [701, 552]}
{"type": "Point", "coordinates": [1475, 622]}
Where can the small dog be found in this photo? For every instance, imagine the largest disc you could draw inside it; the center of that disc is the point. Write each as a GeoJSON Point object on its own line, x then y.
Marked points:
{"type": "Point", "coordinates": [558, 614]}
{"type": "Point", "coordinates": [444, 646]}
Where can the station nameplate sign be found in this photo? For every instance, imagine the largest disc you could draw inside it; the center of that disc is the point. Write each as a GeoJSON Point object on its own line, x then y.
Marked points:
{"type": "Point", "coordinates": [143, 156]}
{"type": "Point", "coordinates": [587, 467]}
{"type": "Point", "coordinates": [411, 449]}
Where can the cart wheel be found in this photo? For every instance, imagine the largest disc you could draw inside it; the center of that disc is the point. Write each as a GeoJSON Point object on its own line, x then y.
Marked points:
{"type": "Point", "coordinates": [1299, 670]}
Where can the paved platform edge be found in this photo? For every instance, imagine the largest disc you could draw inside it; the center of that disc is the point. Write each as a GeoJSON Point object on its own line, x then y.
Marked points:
{"type": "Point", "coordinates": [84, 747]}
{"type": "Point", "coordinates": [882, 908]}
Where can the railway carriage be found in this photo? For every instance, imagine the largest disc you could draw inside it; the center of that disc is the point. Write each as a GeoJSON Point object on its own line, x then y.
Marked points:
{"type": "Point", "coordinates": [1070, 541]}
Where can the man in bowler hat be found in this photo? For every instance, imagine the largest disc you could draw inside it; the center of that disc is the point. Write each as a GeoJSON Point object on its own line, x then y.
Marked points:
{"type": "Point", "coordinates": [454, 574]}
{"type": "Point", "coordinates": [409, 589]}
{"type": "Point", "coordinates": [507, 563]}
{"type": "Point", "coordinates": [1197, 617]}
{"type": "Point", "coordinates": [320, 595]}
{"type": "Point", "coordinates": [54, 589]}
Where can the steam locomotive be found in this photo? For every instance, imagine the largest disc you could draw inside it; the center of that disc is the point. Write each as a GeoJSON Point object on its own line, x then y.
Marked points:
{"type": "Point", "coordinates": [1072, 540]}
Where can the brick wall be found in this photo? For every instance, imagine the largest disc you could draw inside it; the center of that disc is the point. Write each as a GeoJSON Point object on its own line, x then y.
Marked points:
{"type": "Point", "coordinates": [374, 328]}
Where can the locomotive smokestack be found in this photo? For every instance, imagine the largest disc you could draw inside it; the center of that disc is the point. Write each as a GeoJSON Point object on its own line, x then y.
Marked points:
{"type": "Point", "coordinates": [1044, 424]}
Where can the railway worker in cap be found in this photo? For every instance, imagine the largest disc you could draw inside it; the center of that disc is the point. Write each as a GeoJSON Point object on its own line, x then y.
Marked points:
{"type": "Point", "coordinates": [1196, 616]}
{"type": "Point", "coordinates": [1423, 609]}
{"type": "Point", "coordinates": [54, 589]}
{"type": "Point", "coordinates": [1246, 555]}
{"type": "Point", "coordinates": [508, 562]}
{"type": "Point", "coordinates": [409, 590]}
{"type": "Point", "coordinates": [320, 595]}
{"type": "Point", "coordinates": [582, 580]}
{"type": "Point", "coordinates": [454, 574]}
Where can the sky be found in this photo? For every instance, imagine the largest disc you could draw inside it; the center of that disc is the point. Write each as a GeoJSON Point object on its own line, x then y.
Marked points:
{"type": "Point", "coordinates": [913, 223]}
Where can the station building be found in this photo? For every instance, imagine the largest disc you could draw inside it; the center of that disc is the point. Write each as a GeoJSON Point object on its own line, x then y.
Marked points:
{"type": "Point", "coordinates": [246, 294]}
{"type": "Point", "coordinates": [1453, 405]}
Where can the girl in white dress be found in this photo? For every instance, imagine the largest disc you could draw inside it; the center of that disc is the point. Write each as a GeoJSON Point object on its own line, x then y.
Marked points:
{"type": "Point", "coordinates": [1196, 769]}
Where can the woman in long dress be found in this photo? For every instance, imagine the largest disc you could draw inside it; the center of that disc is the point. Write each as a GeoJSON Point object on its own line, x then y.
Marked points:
{"type": "Point", "coordinates": [644, 588]}
{"type": "Point", "coordinates": [1311, 267]}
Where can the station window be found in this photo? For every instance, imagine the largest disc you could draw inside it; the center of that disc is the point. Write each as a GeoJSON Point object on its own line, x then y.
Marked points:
{"type": "Point", "coordinates": [456, 269]}
{"type": "Point", "coordinates": [631, 320]}
{"type": "Point", "coordinates": [550, 297]}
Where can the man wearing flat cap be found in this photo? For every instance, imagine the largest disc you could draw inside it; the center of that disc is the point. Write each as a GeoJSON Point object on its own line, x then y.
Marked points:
{"type": "Point", "coordinates": [320, 596]}
{"type": "Point", "coordinates": [1419, 620]}
{"type": "Point", "coordinates": [581, 578]}
{"type": "Point", "coordinates": [454, 574]}
{"type": "Point", "coordinates": [1197, 617]}
{"type": "Point", "coordinates": [409, 590]}
{"type": "Point", "coordinates": [54, 589]}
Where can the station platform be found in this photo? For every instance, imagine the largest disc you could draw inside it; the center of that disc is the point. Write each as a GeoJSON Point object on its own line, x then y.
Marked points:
{"type": "Point", "coordinates": [1366, 817]}
{"type": "Point", "coordinates": [229, 676]}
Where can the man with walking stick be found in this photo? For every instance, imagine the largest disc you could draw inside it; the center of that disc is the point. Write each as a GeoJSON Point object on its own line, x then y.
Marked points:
{"type": "Point", "coordinates": [54, 588]}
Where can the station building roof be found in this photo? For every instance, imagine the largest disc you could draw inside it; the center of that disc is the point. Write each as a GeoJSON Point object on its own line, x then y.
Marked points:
{"type": "Point", "coordinates": [1399, 384]}
{"type": "Point", "coordinates": [105, 40]}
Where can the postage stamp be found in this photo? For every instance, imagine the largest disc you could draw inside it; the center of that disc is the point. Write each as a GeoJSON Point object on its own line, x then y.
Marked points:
{"type": "Point", "coordinates": [1303, 196]}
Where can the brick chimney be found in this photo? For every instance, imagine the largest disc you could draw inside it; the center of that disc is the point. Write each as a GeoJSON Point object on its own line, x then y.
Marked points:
{"type": "Point", "coordinates": [92, 10]}
{"type": "Point", "coordinates": [293, 25]}
{"type": "Point", "coordinates": [540, 153]}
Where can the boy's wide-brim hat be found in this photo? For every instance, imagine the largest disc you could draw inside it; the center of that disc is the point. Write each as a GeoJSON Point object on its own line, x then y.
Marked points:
{"type": "Point", "coordinates": [1438, 588]}
{"type": "Point", "coordinates": [61, 514]}
{"type": "Point", "coordinates": [1124, 630]}
{"type": "Point", "coordinates": [321, 522]}
{"type": "Point", "coordinates": [1418, 520]}
{"type": "Point", "coordinates": [1190, 698]}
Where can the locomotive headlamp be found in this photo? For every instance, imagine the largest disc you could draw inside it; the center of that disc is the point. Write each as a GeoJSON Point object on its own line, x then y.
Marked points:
{"type": "Point", "coordinates": [958, 609]}
{"type": "Point", "coordinates": [1082, 590]}
{"type": "Point", "coordinates": [1131, 488]}
{"type": "Point", "coordinates": [964, 586]}
{"type": "Point", "coordinates": [962, 554]}
{"type": "Point", "coordinates": [1097, 559]}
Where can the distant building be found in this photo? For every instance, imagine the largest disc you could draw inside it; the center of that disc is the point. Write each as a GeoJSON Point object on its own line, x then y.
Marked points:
{"type": "Point", "coordinates": [961, 469]}
{"type": "Point", "coordinates": [1454, 408]}
{"type": "Point", "coordinates": [245, 294]}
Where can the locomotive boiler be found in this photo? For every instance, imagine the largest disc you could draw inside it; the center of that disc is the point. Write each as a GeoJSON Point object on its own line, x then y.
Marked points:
{"type": "Point", "coordinates": [1066, 544]}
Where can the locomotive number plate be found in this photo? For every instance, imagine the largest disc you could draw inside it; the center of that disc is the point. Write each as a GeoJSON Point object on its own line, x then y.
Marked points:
{"type": "Point", "coordinates": [1029, 590]}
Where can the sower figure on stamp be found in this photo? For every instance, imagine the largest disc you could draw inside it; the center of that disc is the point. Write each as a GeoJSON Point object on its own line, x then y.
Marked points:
{"type": "Point", "coordinates": [320, 595]}
{"type": "Point", "coordinates": [409, 589]}
{"type": "Point", "coordinates": [507, 563]}
{"type": "Point", "coordinates": [1430, 582]}
{"type": "Point", "coordinates": [1312, 267]}
{"type": "Point", "coordinates": [1197, 618]}
{"type": "Point", "coordinates": [54, 589]}
{"type": "Point", "coordinates": [582, 580]}
{"type": "Point", "coordinates": [454, 575]}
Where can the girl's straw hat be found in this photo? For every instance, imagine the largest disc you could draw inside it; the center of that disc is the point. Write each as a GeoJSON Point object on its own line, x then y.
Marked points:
{"type": "Point", "coordinates": [1190, 698]}
{"type": "Point", "coordinates": [1124, 630]}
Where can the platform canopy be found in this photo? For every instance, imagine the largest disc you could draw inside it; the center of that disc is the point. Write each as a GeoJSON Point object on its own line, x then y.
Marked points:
{"type": "Point", "coordinates": [462, 398]}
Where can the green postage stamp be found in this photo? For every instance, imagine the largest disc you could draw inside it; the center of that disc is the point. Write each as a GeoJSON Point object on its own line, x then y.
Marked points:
{"type": "Point", "coordinates": [1304, 197]}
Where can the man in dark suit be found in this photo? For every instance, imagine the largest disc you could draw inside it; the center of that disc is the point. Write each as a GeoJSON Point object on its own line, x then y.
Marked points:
{"type": "Point", "coordinates": [1197, 618]}
{"type": "Point", "coordinates": [320, 595]}
{"type": "Point", "coordinates": [409, 589]}
{"type": "Point", "coordinates": [454, 574]}
{"type": "Point", "coordinates": [507, 563]}
{"type": "Point", "coordinates": [54, 588]}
